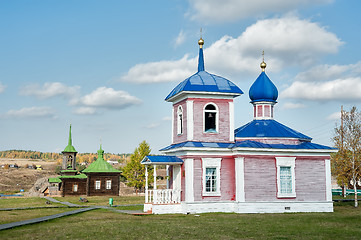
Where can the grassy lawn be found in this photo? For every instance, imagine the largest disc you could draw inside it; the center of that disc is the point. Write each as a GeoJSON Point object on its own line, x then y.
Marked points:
{"type": "Point", "coordinates": [20, 215]}
{"type": "Point", "coordinates": [103, 201]}
{"type": "Point", "coordinates": [18, 202]}
{"type": "Point", "coordinates": [344, 223]}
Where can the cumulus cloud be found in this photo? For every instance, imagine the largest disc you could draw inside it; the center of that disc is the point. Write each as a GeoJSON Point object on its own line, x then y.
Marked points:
{"type": "Point", "coordinates": [85, 111]}
{"type": "Point", "coordinates": [2, 88]}
{"type": "Point", "coordinates": [31, 112]}
{"type": "Point", "coordinates": [104, 97]}
{"type": "Point", "coordinates": [327, 82]}
{"type": "Point", "coordinates": [339, 89]}
{"type": "Point", "coordinates": [290, 105]}
{"type": "Point", "coordinates": [285, 40]}
{"type": "Point", "coordinates": [49, 90]}
{"type": "Point", "coordinates": [232, 10]}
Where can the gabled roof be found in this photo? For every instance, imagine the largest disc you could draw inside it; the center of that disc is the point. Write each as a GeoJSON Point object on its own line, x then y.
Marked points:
{"type": "Point", "coordinates": [80, 176]}
{"type": "Point", "coordinates": [100, 165]}
{"type": "Point", "coordinates": [203, 81]}
{"type": "Point", "coordinates": [268, 128]}
{"type": "Point", "coordinates": [54, 180]}
{"type": "Point", "coordinates": [169, 160]}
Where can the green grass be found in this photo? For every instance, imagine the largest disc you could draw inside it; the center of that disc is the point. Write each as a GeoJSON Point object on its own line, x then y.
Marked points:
{"type": "Point", "coordinates": [344, 223]}
{"type": "Point", "coordinates": [103, 201]}
{"type": "Point", "coordinates": [18, 202]}
{"type": "Point", "coordinates": [20, 215]}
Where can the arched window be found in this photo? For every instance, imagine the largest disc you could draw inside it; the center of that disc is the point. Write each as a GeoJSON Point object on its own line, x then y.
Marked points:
{"type": "Point", "coordinates": [180, 120]}
{"type": "Point", "coordinates": [210, 118]}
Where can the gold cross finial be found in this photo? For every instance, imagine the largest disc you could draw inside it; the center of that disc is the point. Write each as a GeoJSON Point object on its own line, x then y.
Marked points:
{"type": "Point", "coordinates": [263, 64]}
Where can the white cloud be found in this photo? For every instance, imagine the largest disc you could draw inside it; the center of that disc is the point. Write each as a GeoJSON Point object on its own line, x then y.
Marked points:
{"type": "Point", "coordinates": [339, 89]}
{"type": "Point", "coordinates": [334, 116]}
{"type": "Point", "coordinates": [163, 71]}
{"type": "Point", "coordinates": [31, 112]}
{"type": "Point", "coordinates": [329, 72]}
{"type": "Point", "coordinates": [286, 42]}
{"type": "Point", "coordinates": [180, 39]}
{"type": "Point", "coordinates": [153, 125]}
{"type": "Point", "coordinates": [232, 10]}
{"type": "Point", "coordinates": [85, 111]}
{"type": "Point", "coordinates": [290, 105]}
{"type": "Point", "coordinates": [167, 118]}
{"type": "Point", "coordinates": [49, 89]}
{"type": "Point", "coordinates": [104, 97]}
{"type": "Point", "coordinates": [2, 88]}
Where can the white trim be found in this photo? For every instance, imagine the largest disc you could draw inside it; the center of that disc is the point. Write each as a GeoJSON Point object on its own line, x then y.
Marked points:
{"type": "Point", "coordinates": [239, 175]}
{"type": "Point", "coordinates": [193, 94]}
{"type": "Point", "coordinates": [231, 121]}
{"type": "Point", "coordinates": [177, 177]}
{"type": "Point", "coordinates": [286, 162]}
{"type": "Point", "coordinates": [212, 163]}
{"type": "Point", "coordinates": [155, 177]}
{"type": "Point", "coordinates": [97, 185]}
{"type": "Point", "coordinates": [190, 123]}
{"type": "Point", "coordinates": [328, 180]}
{"type": "Point", "coordinates": [173, 122]}
{"type": "Point", "coordinates": [108, 184]}
{"type": "Point", "coordinates": [189, 195]}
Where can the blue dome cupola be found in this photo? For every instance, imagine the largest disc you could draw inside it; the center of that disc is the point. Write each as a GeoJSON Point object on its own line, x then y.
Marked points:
{"type": "Point", "coordinates": [263, 94]}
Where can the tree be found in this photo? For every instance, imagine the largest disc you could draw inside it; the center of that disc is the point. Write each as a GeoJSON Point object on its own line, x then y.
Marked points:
{"type": "Point", "coordinates": [134, 171]}
{"type": "Point", "coordinates": [347, 161]}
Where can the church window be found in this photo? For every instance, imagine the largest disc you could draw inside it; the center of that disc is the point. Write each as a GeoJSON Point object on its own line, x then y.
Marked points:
{"type": "Point", "coordinates": [108, 184]}
{"type": "Point", "coordinates": [210, 118]}
{"type": "Point", "coordinates": [211, 176]}
{"type": "Point", "coordinates": [97, 185]}
{"type": "Point", "coordinates": [286, 177]}
{"type": "Point", "coordinates": [180, 120]}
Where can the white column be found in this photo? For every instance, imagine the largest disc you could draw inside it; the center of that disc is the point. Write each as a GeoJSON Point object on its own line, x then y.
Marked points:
{"type": "Point", "coordinates": [239, 168]}
{"type": "Point", "coordinates": [189, 194]}
{"type": "Point", "coordinates": [167, 167]}
{"type": "Point", "coordinates": [328, 180]}
{"type": "Point", "coordinates": [155, 177]}
{"type": "Point", "coordinates": [146, 184]}
{"type": "Point", "coordinates": [173, 122]}
{"type": "Point", "coordinates": [190, 126]}
{"type": "Point", "coordinates": [231, 121]}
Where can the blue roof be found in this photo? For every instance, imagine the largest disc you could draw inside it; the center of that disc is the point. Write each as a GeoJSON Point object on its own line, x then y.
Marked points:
{"type": "Point", "coordinates": [249, 144]}
{"type": "Point", "coordinates": [203, 81]}
{"type": "Point", "coordinates": [268, 128]}
{"type": "Point", "coordinates": [263, 89]}
{"type": "Point", "coordinates": [171, 160]}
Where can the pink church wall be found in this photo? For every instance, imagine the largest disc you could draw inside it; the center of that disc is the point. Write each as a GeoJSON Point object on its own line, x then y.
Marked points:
{"type": "Point", "coordinates": [181, 137]}
{"type": "Point", "coordinates": [227, 184]}
{"type": "Point", "coordinates": [260, 179]}
{"type": "Point", "coordinates": [223, 114]}
{"type": "Point", "coordinates": [310, 179]}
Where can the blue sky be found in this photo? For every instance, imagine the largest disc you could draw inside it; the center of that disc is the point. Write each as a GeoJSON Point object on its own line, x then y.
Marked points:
{"type": "Point", "coordinates": [106, 66]}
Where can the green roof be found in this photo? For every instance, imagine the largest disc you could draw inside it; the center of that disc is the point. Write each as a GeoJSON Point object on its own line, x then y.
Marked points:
{"type": "Point", "coordinates": [54, 180]}
{"type": "Point", "coordinates": [100, 165]}
{"type": "Point", "coordinates": [70, 147]}
{"type": "Point", "coordinates": [70, 170]}
{"type": "Point", "coordinates": [74, 176]}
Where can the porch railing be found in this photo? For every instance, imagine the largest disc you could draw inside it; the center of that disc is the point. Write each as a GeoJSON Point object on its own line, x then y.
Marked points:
{"type": "Point", "coordinates": [162, 196]}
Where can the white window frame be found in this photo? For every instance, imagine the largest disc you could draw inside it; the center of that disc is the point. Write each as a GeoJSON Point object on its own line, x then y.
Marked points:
{"type": "Point", "coordinates": [75, 187]}
{"type": "Point", "coordinates": [212, 163]}
{"type": "Point", "coordinates": [97, 185]}
{"type": "Point", "coordinates": [211, 111]}
{"type": "Point", "coordinates": [108, 184]}
{"type": "Point", "coordinates": [180, 120]}
{"type": "Point", "coordinates": [286, 162]}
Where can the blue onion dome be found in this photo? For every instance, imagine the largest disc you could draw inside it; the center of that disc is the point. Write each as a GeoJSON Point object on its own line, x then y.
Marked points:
{"type": "Point", "coordinates": [263, 89]}
{"type": "Point", "coordinates": [202, 81]}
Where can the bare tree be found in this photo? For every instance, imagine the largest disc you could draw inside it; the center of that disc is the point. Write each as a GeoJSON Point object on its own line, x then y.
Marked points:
{"type": "Point", "coordinates": [347, 161]}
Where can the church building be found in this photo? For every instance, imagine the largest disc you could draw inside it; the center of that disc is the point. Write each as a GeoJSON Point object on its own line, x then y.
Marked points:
{"type": "Point", "coordinates": [98, 179]}
{"type": "Point", "coordinates": [260, 167]}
